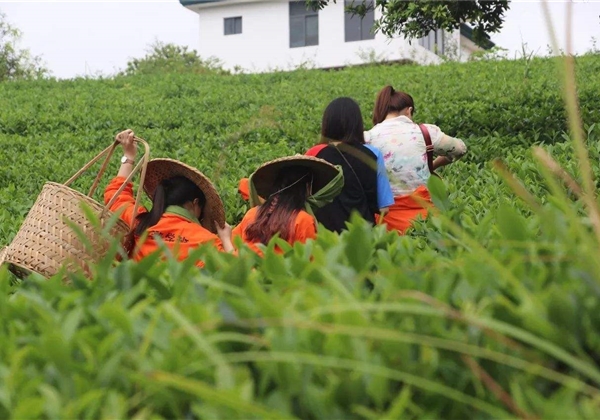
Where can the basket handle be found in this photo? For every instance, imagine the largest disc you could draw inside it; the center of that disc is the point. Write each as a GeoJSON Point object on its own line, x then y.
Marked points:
{"type": "Point", "coordinates": [108, 152]}
{"type": "Point", "coordinates": [141, 166]}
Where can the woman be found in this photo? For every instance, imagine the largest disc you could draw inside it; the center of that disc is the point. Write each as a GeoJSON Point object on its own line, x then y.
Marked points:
{"type": "Point", "coordinates": [366, 189]}
{"type": "Point", "coordinates": [407, 150]}
{"type": "Point", "coordinates": [288, 184]}
{"type": "Point", "coordinates": [186, 208]}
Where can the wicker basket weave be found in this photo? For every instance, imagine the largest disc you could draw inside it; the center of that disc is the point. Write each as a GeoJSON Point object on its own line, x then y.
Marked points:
{"type": "Point", "coordinates": [46, 241]}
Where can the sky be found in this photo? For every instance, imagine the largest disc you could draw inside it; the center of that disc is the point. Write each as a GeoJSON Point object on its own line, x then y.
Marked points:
{"type": "Point", "coordinates": [87, 38]}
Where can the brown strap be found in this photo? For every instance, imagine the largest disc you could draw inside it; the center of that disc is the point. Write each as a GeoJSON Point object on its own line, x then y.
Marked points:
{"type": "Point", "coordinates": [428, 147]}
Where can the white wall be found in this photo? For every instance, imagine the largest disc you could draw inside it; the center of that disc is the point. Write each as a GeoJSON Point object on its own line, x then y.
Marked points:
{"type": "Point", "coordinates": [467, 47]}
{"type": "Point", "coordinates": [263, 44]}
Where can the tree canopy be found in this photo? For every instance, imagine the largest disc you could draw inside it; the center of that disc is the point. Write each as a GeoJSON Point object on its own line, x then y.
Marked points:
{"type": "Point", "coordinates": [415, 19]}
{"type": "Point", "coordinates": [171, 58]}
{"type": "Point", "coordinates": [15, 62]}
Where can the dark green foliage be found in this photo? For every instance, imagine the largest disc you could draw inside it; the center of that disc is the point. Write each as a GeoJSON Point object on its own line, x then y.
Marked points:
{"type": "Point", "coordinates": [287, 336]}
{"type": "Point", "coordinates": [228, 125]}
{"type": "Point", "coordinates": [170, 58]}
{"type": "Point", "coordinates": [490, 295]}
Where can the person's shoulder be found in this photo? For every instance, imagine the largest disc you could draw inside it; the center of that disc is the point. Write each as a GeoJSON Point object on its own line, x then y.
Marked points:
{"type": "Point", "coordinates": [375, 150]}
{"type": "Point", "coordinates": [431, 126]}
{"type": "Point", "coordinates": [373, 131]}
{"type": "Point", "coordinates": [325, 152]}
{"type": "Point", "coordinates": [304, 215]}
{"type": "Point", "coordinates": [316, 150]}
{"type": "Point", "coordinates": [304, 219]}
{"type": "Point", "coordinates": [434, 130]}
{"type": "Point", "coordinates": [367, 149]}
{"type": "Point", "coordinates": [250, 214]}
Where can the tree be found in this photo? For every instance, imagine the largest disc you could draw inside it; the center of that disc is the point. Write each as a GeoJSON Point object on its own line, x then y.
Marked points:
{"type": "Point", "coordinates": [16, 63]}
{"type": "Point", "coordinates": [171, 58]}
{"type": "Point", "coordinates": [415, 19]}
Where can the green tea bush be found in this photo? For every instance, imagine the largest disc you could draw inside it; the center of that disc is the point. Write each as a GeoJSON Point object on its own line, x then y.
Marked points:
{"type": "Point", "coordinates": [488, 310]}
{"type": "Point", "coordinates": [362, 325]}
{"type": "Point", "coordinates": [228, 125]}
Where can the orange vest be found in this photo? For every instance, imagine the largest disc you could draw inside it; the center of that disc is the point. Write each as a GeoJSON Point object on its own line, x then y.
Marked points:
{"type": "Point", "coordinates": [179, 232]}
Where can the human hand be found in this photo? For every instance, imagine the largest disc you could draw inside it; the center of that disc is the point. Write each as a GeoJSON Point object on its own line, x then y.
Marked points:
{"type": "Point", "coordinates": [441, 161]}
{"type": "Point", "coordinates": [224, 233]}
{"type": "Point", "coordinates": [125, 138]}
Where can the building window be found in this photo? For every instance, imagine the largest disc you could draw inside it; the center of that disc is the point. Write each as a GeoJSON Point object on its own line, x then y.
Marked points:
{"type": "Point", "coordinates": [359, 28]}
{"type": "Point", "coordinates": [304, 25]}
{"type": "Point", "coordinates": [233, 25]}
{"type": "Point", "coordinates": [434, 42]}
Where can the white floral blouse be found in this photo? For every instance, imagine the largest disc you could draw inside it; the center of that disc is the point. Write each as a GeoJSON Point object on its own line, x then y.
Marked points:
{"type": "Point", "coordinates": [404, 152]}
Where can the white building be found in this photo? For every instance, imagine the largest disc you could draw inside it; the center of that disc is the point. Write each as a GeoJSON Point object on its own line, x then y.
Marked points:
{"type": "Point", "coordinates": [267, 35]}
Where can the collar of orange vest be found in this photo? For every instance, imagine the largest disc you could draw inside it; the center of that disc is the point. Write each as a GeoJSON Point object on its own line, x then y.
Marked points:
{"type": "Point", "coordinates": [182, 212]}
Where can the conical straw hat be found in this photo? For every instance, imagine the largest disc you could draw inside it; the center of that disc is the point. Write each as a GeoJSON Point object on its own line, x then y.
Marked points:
{"type": "Point", "coordinates": [161, 169]}
{"type": "Point", "coordinates": [264, 177]}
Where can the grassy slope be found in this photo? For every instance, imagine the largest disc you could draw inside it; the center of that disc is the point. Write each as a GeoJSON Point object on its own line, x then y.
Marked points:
{"type": "Point", "coordinates": [228, 125]}
{"type": "Point", "coordinates": [97, 349]}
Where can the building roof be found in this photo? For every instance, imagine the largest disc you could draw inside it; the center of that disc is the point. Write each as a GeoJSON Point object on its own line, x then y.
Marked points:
{"type": "Point", "coordinates": [467, 32]}
{"type": "Point", "coordinates": [192, 2]}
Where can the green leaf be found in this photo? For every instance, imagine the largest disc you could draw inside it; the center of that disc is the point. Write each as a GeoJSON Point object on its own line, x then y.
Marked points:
{"type": "Point", "coordinates": [357, 248]}
{"type": "Point", "coordinates": [511, 225]}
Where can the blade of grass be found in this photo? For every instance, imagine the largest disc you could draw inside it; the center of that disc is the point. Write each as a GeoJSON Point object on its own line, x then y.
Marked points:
{"type": "Point", "coordinates": [586, 369]}
{"type": "Point", "coordinates": [367, 368]}
{"type": "Point", "coordinates": [224, 374]}
{"type": "Point", "coordinates": [517, 187]}
{"type": "Point", "coordinates": [209, 393]}
{"type": "Point", "coordinates": [495, 388]}
{"type": "Point", "coordinates": [566, 69]}
{"type": "Point", "coordinates": [384, 334]}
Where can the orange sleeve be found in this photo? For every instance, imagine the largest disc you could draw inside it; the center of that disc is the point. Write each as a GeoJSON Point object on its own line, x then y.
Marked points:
{"type": "Point", "coordinates": [124, 202]}
{"type": "Point", "coordinates": [248, 218]}
{"type": "Point", "coordinates": [239, 229]}
{"type": "Point", "coordinates": [306, 227]}
{"type": "Point", "coordinates": [218, 244]}
{"type": "Point", "coordinates": [244, 189]}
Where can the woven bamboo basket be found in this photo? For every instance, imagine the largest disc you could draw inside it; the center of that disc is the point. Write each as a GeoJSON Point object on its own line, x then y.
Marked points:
{"type": "Point", "coordinates": [48, 239]}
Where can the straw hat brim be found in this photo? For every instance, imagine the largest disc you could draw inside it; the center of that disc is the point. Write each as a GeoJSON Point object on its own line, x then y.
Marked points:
{"type": "Point", "coordinates": [161, 169]}
{"type": "Point", "coordinates": [264, 177]}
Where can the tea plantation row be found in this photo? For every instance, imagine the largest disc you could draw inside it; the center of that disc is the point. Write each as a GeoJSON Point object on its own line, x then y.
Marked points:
{"type": "Point", "coordinates": [487, 311]}
{"type": "Point", "coordinates": [228, 125]}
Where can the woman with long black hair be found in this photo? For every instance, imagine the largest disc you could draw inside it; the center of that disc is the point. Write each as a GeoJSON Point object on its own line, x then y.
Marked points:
{"type": "Point", "coordinates": [367, 190]}
{"type": "Point", "coordinates": [186, 208]}
{"type": "Point", "coordinates": [289, 186]}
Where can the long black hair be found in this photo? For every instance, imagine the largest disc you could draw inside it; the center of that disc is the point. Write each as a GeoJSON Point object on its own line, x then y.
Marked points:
{"type": "Point", "coordinates": [276, 214]}
{"type": "Point", "coordinates": [175, 191]}
{"type": "Point", "coordinates": [342, 121]}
